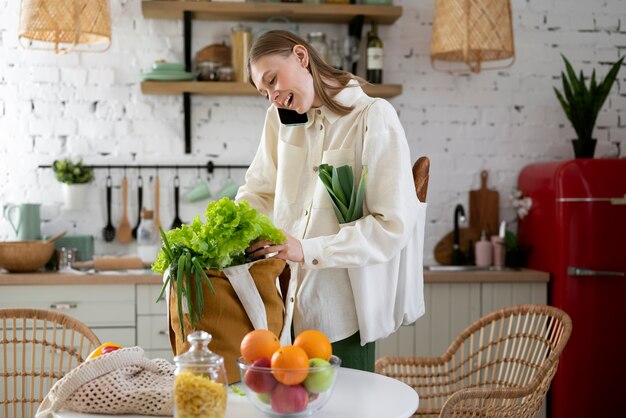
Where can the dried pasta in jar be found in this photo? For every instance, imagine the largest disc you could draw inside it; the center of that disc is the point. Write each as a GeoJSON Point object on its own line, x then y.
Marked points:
{"type": "Point", "coordinates": [197, 396]}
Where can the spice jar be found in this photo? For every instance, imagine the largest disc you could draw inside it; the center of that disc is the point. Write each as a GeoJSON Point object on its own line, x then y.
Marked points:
{"type": "Point", "coordinates": [200, 385]}
{"type": "Point", "coordinates": [207, 70]}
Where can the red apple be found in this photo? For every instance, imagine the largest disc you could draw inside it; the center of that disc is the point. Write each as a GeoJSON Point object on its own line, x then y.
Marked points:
{"type": "Point", "coordinates": [110, 348]}
{"type": "Point", "coordinates": [289, 399]}
{"type": "Point", "coordinates": [260, 381]}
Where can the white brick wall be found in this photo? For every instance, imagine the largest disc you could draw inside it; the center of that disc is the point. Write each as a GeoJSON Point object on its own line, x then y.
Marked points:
{"type": "Point", "coordinates": [90, 105]}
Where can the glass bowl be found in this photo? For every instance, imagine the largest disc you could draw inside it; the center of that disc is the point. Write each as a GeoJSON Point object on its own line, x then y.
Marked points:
{"type": "Point", "coordinates": [280, 400]}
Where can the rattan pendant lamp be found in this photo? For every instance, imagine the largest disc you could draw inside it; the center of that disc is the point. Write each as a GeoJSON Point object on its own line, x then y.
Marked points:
{"type": "Point", "coordinates": [468, 32]}
{"type": "Point", "coordinates": [69, 25]}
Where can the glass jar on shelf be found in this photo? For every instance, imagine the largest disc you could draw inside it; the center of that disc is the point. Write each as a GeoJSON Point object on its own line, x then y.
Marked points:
{"type": "Point", "coordinates": [226, 74]}
{"type": "Point", "coordinates": [207, 70]}
{"type": "Point", "coordinates": [200, 385]}
{"type": "Point", "coordinates": [335, 59]}
{"type": "Point", "coordinates": [318, 41]}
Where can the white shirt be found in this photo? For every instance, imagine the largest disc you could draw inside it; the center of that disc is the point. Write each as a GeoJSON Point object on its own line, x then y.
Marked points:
{"type": "Point", "coordinates": [283, 179]}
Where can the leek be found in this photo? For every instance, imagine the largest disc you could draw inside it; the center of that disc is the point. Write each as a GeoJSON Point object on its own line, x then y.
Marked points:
{"type": "Point", "coordinates": [345, 195]}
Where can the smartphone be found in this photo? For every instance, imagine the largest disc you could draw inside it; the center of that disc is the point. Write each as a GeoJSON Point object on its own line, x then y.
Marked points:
{"type": "Point", "coordinates": [291, 117]}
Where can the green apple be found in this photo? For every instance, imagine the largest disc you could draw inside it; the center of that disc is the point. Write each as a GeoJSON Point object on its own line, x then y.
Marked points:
{"type": "Point", "coordinates": [320, 377]}
{"type": "Point", "coordinates": [264, 397]}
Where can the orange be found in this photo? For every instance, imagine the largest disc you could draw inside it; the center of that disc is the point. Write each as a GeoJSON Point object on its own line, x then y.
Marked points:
{"type": "Point", "coordinates": [290, 365]}
{"type": "Point", "coordinates": [315, 344]}
{"type": "Point", "coordinates": [257, 344]}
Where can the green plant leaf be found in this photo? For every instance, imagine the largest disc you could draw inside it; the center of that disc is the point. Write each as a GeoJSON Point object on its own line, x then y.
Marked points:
{"type": "Point", "coordinates": [346, 179]}
{"type": "Point", "coordinates": [337, 190]}
{"type": "Point", "coordinates": [162, 292]}
{"type": "Point", "coordinates": [582, 104]}
{"type": "Point", "coordinates": [179, 294]}
{"type": "Point", "coordinates": [358, 208]}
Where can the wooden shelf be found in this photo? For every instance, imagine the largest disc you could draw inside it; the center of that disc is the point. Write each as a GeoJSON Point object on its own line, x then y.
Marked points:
{"type": "Point", "coordinates": [297, 12]}
{"type": "Point", "coordinates": [216, 88]}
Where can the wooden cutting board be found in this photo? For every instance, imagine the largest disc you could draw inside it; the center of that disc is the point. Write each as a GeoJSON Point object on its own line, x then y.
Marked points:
{"type": "Point", "coordinates": [443, 249]}
{"type": "Point", "coordinates": [484, 207]}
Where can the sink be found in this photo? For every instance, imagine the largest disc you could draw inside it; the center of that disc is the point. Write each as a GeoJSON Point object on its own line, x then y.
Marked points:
{"type": "Point", "coordinates": [465, 268]}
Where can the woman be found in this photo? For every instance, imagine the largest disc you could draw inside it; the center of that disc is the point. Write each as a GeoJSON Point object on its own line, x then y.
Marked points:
{"type": "Point", "coordinates": [342, 126]}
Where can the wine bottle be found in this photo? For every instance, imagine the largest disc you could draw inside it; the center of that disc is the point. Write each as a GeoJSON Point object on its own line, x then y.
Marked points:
{"type": "Point", "coordinates": [374, 56]}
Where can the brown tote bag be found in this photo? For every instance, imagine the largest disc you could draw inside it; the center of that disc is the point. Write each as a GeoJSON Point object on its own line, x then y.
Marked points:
{"type": "Point", "coordinates": [224, 316]}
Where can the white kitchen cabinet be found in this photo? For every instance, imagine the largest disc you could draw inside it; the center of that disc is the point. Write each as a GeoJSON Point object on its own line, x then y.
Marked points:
{"type": "Point", "coordinates": [152, 323]}
{"type": "Point", "coordinates": [108, 310]}
{"type": "Point", "coordinates": [452, 307]}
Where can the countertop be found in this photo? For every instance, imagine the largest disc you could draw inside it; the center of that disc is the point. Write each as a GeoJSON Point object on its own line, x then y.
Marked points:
{"type": "Point", "coordinates": [146, 277]}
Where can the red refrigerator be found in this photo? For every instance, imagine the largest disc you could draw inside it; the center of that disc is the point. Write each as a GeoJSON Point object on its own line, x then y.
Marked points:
{"type": "Point", "coordinates": [577, 230]}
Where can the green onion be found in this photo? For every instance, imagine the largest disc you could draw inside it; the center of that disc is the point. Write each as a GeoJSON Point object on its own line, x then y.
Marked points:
{"type": "Point", "coordinates": [345, 196]}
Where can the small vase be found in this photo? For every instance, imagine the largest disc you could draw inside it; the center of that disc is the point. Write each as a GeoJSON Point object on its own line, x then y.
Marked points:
{"type": "Point", "coordinates": [584, 148]}
{"type": "Point", "coordinates": [75, 195]}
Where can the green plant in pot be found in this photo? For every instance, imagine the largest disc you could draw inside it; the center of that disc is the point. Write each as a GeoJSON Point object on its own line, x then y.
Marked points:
{"type": "Point", "coordinates": [75, 178]}
{"type": "Point", "coordinates": [582, 104]}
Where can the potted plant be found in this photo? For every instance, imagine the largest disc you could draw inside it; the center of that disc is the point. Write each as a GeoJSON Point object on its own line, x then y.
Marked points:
{"type": "Point", "coordinates": [582, 104]}
{"type": "Point", "coordinates": [74, 177]}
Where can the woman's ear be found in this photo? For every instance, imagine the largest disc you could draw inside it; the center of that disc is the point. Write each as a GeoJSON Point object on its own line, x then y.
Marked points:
{"type": "Point", "coordinates": [302, 55]}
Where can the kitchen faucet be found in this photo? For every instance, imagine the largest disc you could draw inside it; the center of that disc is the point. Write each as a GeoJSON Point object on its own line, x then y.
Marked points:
{"type": "Point", "coordinates": [457, 256]}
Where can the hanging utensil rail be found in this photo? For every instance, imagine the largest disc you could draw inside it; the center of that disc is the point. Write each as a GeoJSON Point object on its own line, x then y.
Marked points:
{"type": "Point", "coordinates": [210, 167]}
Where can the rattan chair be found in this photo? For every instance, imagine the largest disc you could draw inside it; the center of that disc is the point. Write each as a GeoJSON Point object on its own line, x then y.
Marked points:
{"type": "Point", "coordinates": [500, 366]}
{"type": "Point", "coordinates": [37, 347]}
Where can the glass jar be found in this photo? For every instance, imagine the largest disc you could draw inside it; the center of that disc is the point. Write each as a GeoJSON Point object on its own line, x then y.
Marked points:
{"type": "Point", "coordinates": [200, 385]}
{"type": "Point", "coordinates": [207, 70]}
{"type": "Point", "coordinates": [241, 40]}
{"type": "Point", "coordinates": [318, 41]}
{"type": "Point", "coordinates": [335, 59]}
{"type": "Point", "coordinates": [226, 74]}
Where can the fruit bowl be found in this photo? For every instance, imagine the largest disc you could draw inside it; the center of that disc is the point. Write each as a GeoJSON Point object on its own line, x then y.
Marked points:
{"type": "Point", "coordinates": [276, 399]}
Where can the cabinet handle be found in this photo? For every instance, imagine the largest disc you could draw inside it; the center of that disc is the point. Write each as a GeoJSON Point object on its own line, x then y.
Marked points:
{"type": "Point", "coordinates": [162, 332]}
{"type": "Point", "coordinates": [578, 271]}
{"type": "Point", "coordinates": [63, 306]}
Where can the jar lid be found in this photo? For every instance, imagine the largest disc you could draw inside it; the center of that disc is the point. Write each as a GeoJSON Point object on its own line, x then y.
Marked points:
{"type": "Point", "coordinates": [209, 64]}
{"type": "Point", "coordinates": [241, 28]}
{"type": "Point", "coordinates": [199, 352]}
{"type": "Point", "coordinates": [316, 35]}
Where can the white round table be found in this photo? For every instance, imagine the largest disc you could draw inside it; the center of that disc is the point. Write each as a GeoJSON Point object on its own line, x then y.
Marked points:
{"type": "Point", "coordinates": [356, 394]}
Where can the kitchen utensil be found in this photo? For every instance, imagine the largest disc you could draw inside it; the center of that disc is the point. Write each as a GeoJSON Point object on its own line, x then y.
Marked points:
{"type": "Point", "coordinates": [56, 237]}
{"type": "Point", "coordinates": [108, 232]}
{"type": "Point", "coordinates": [484, 207]}
{"type": "Point", "coordinates": [177, 222]}
{"type": "Point", "coordinates": [124, 231]}
{"type": "Point", "coordinates": [443, 249]}
{"type": "Point", "coordinates": [157, 221]}
{"type": "Point", "coordinates": [25, 256]}
{"type": "Point", "coordinates": [27, 224]}
{"type": "Point", "coordinates": [139, 204]}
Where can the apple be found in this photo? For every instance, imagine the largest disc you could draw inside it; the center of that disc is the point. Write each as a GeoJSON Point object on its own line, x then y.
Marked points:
{"type": "Point", "coordinates": [260, 381]}
{"type": "Point", "coordinates": [321, 376]}
{"type": "Point", "coordinates": [289, 399]}
{"type": "Point", "coordinates": [110, 348]}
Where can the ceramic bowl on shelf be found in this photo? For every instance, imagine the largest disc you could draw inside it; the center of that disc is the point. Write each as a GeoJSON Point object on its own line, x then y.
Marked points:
{"type": "Point", "coordinates": [264, 390]}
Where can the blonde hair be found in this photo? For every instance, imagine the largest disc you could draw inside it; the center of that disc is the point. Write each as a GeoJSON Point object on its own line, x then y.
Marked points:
{"type": "Point", "coordinates": [280, 42]}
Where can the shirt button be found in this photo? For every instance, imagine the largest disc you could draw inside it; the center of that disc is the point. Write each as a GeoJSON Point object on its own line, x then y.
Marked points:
{"type": "Point", "coordinates": [321, 127]}
{"type": "Point", "coordinates": [315, 261]}
{"type": "Point", "coordinates": [319, 112]}
{"type": "Point", "coordinates": [306, 212]}
{"type": "Point", "coordinates": [291, 300]}
{"type": "Point", "coordinates": [315, 169]}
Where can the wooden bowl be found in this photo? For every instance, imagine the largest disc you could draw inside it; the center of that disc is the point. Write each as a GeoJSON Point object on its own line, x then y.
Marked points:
{"type": "Point", "coordinates": [24, 256]}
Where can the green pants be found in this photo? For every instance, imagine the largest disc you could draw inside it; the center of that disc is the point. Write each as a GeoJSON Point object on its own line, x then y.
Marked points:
{"type": "Point", "coordinates": [353, 355]}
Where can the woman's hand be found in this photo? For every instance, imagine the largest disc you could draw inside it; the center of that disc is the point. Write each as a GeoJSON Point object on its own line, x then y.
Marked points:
{"type": "Point", "coordinates": [290, 250]}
